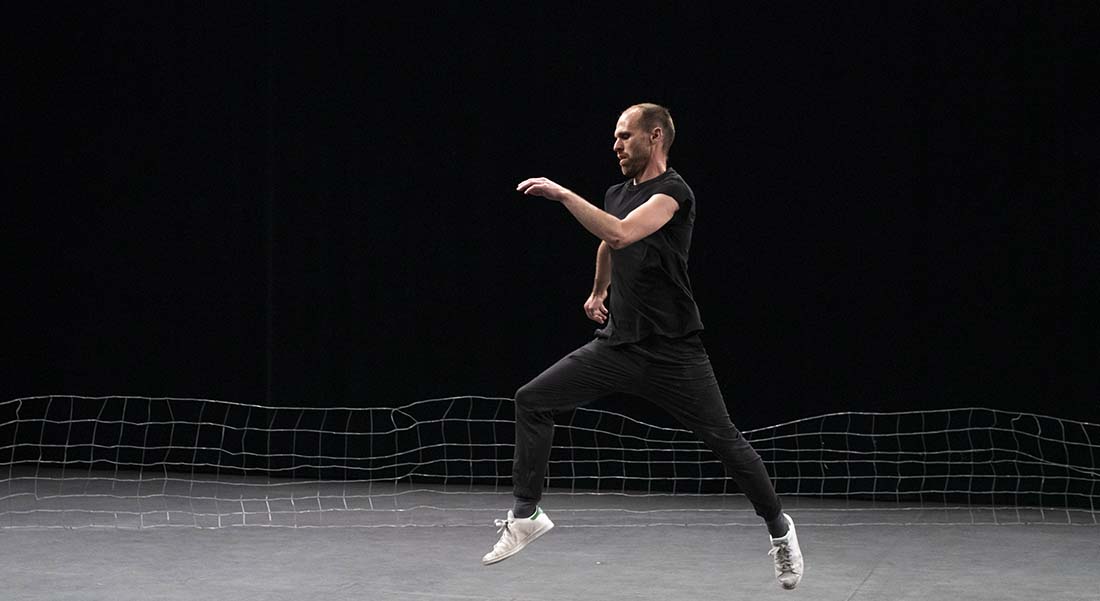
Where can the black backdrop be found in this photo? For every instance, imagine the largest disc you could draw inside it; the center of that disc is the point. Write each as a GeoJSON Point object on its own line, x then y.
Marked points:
{"type": "Point", "coordinates": [314, 205]}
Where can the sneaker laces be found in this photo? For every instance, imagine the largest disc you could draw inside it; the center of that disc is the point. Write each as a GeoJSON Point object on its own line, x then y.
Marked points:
{"type": "Point", "coordinates": [781, 553]}
{"type": "Point", "coordinates": [502, 527]}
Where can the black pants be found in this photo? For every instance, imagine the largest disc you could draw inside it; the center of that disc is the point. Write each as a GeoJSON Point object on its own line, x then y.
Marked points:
{"type": "Point", "coordinates": [674, 374]}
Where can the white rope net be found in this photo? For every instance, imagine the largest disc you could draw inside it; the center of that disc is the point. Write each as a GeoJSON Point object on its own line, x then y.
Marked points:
{"type": "Point", "coordinates": [140, 462]}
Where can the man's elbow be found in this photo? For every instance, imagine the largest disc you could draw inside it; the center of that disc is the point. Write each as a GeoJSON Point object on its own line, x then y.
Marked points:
{"type": "Point", "coordinates": [620, 239]}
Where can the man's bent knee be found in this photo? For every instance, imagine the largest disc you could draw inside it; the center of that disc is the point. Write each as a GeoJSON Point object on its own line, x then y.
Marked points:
{"type": "Point", "coordinates": [527, 398]}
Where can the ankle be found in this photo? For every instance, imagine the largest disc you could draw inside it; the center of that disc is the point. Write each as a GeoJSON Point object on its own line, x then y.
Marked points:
{"type": "Point", "coordinates": [778, 527]}
{"type": "Point", "coordinates": [523, 510]}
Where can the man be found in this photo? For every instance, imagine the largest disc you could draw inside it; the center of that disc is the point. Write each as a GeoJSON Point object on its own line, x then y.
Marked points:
{"type": "Point", "coordinates": [650, 344]}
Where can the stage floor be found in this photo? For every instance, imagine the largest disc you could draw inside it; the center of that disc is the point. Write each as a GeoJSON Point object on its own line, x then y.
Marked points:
{"type": "Point", "coordinates": [386, 542]}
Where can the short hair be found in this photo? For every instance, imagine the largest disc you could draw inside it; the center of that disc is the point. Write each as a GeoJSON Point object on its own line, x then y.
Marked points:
{"type": "Point", "coordinates": [655, 115]}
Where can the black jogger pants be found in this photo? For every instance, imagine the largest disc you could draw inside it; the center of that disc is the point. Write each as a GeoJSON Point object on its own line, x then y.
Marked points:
{"type": "Point", "coordinates": [674, 374]}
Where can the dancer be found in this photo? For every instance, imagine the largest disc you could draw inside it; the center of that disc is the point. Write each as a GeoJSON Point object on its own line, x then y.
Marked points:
{"type": "Point", "coordinates": [649, 345]}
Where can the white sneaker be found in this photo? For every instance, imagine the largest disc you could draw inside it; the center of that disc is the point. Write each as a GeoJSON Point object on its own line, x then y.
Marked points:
{"type": "Point", "coordinates": [788, 557]}
{"type": "Point", "coordinates": [515, 534]}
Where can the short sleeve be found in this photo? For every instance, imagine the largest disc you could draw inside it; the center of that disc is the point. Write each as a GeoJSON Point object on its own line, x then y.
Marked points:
{"type": "Point", "coordinates": [679, 191]}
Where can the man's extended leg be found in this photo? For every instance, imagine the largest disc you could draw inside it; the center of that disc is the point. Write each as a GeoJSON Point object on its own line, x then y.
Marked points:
{"type": "Point", "coordinates": [581, 377]}
{"type": "Point", "coordinates": [588, 373]}
{"type": "Point", "coordinates": [680, 379]}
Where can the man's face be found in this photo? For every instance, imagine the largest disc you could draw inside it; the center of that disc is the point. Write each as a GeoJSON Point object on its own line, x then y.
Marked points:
{"type": "Point", "coordinates": [633, 145]}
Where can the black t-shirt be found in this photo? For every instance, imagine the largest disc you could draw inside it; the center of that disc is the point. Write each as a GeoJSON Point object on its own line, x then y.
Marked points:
{"type": "Point", "coordinates": [650, 289]}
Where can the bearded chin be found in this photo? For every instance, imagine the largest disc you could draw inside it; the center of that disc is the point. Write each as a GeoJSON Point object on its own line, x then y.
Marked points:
{"type": "Point", "coordinates": [631, 169]}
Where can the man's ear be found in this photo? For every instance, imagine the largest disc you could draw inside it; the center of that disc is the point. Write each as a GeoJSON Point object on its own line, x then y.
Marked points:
{"type": "Point", "coordinates": [656, 135]}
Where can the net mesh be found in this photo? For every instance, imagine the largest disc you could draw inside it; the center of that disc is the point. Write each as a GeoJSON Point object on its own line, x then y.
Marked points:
{"type": "Point", "coordinates": [140, 462]}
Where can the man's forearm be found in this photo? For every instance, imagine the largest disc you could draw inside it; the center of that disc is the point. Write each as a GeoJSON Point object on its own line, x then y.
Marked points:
{"type": "Point", "coordinates": [604, 226]}
{"type": "Point", "coordinates": [642, 221]}
{"type": "Point", "coordinates": [603, 270]}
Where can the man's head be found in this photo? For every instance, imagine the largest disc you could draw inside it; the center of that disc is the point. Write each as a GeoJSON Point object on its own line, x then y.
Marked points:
{"type": "Point", "coordinates": [643, 135]}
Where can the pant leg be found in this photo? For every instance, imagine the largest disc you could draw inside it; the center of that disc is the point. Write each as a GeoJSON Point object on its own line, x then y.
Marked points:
{"type": "Point", "coordinates": [680, 379]}
{"type": "Point", "coordinates": [595, 370]}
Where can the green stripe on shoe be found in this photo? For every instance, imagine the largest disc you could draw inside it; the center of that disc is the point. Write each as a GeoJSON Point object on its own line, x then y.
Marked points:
{"type": "Point", "coordinates": [535, 515]}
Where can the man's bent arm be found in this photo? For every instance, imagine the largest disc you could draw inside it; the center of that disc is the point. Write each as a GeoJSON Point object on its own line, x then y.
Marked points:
{"type": "Point", "coordinates": [620, 233]}
{"type": "Point", "coordinates": [617, 233]}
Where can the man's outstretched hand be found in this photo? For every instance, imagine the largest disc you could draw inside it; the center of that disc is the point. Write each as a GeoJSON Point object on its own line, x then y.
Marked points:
{"type": "Point", "coordinates": [540, 186]}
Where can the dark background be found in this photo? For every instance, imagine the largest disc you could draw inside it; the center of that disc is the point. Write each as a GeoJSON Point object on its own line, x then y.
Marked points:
{"type": "Point", "coordinates": [301, 204]}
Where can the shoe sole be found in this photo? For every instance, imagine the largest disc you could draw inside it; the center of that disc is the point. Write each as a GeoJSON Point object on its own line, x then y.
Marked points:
{"type": "Point", "coordinates": [518, 548]}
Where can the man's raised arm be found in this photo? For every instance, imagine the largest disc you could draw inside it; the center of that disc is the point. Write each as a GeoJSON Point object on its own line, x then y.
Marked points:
{"type": "Point", "coordinates": [617, 233]}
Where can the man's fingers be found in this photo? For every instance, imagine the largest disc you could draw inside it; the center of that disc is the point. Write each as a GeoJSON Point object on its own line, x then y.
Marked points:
{"type": "Point", "coordinates": [597, 314]}
{"type": "Point", "coordinates": [527, 183]}
{"type": "Point", "coordinates": [537, 190]}
{"type": "Point", "coordinates": [532, 190]}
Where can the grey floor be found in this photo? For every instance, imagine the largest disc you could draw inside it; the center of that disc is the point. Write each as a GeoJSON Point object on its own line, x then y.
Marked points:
{"type": "Point", "coordinates": [666, 562]}
{"type": "Point", "coordinates": [378, 543]}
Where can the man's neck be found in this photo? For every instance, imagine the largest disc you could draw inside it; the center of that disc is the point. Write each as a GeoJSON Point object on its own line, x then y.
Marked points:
{"type": "Point", "coordinates": [654, 168]}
